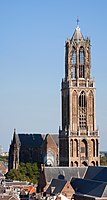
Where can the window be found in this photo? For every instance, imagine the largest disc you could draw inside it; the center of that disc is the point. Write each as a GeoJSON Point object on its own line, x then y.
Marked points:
{"type": "Point", "coordinates": [93, 147]}
{"type": "Point", "coordinates": [84, 149]}
{"type": "Point", "coordinates": [76, 147]}
{"type": "Point", "coordinates": [74, 61]}
{"type": "Point", "coordinates": [82, 99]}
{"type": "Point", "coordinates": [81, 54]}
{"type": "Point", "coordinates": [96, 147]}
{"type": "Point", "coordinates": [82, 110]}
{"type": "Point", "coordinates": [71, 149]}
{"type": "Point", "coordinates": [74, 56]}
{"type": "Point", "coordinates": [81, 63]}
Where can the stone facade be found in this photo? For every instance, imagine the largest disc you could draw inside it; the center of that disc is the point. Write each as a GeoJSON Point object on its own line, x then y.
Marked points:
{"type": "Point", "coordinates": [43, 149]}
{"type": "Point", "coordinates": [78, 142]}
{"type": "Point", "coordinates": [50, 149]}
{"type": "Point", "coordinates": [79, 136]}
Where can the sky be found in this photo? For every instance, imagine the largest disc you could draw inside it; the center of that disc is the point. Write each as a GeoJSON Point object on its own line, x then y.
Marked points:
{"type": "Point", "coordinates": [32, 61]}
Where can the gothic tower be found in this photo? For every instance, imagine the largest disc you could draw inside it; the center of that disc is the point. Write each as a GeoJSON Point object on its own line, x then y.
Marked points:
{"type": "Point", "coordinates": [79, 137]}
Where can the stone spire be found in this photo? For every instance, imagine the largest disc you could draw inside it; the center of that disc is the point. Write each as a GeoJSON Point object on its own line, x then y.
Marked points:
{"type": "Point", "coordinates": [77, 36]}
{"type": "Point", "coordinates": [15, 137]}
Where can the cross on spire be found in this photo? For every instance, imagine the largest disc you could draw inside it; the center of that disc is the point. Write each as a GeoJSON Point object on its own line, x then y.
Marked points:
{"type": "Point", "coordinates": [78, 21]}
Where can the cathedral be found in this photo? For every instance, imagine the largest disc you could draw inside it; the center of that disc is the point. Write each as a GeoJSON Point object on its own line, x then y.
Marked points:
{"type": "Point", "coordinates": [79, 136]}
{"type": "Point", "coordinates": [78, 141]}
{"type": "Point", "coordinates": [40, 148]}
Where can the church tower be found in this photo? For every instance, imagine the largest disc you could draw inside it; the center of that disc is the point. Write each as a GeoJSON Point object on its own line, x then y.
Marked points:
{"type": "Point", "coordinates": [79, 137]}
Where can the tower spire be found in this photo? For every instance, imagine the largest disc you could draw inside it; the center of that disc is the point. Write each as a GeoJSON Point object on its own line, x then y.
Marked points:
{"type": "Point", "coordinates": [79, 138]}
{"type": "Point", "coordinates": [78, 21]}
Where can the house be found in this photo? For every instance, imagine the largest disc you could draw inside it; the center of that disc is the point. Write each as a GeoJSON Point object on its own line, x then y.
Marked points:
{"type": "Point", "coordinates": [93, 186]}
{"type": "Point", "coordinates": [65, 173]}
{"type": "Point", "coordinates": [59, 186]}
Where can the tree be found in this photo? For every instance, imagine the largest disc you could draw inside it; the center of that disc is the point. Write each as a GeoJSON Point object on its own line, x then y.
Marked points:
{"type": "Point", "coordinates": [103, 160]}
{"type": "Point", "coordinates": [25, 172]}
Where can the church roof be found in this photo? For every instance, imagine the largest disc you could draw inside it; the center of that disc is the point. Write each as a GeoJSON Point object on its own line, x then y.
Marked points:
{"type": "Point", "coordinates": [55, 138]}
{"type": "Point", "coordinates": [34, 140]}
{"type": "Point", "coordinates": [66, 172]}
{"type": "Point", "coordinates": [77, 36]}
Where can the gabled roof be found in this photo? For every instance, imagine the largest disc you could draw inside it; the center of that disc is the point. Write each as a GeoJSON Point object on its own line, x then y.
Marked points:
{"type": "Point", "coordinates": [96, 173]}
{"type": "Point", "coordinates": [56, 186]}
{"type": "Point", "coordinates": [55, 138]}
{"type": "Point", "coordinates": [94, 183]}
{"type": "Point", "coordinates": [77, 36]}
{"type": "Point", "coordinates": [34, 140]}
{"type": "Point", "coordinates": [66, 172]}
{"type": "Point", "coordinates": [88, 187]}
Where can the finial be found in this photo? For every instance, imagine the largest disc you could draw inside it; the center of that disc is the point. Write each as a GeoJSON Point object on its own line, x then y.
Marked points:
{"type": "Point", "coordinates": [78, 21]}
{"type": "Point", "coordinates": [14, 131]}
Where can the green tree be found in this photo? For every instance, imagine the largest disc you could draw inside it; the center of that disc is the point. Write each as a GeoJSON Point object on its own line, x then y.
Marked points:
{"type": "Point", "coordinates": [103, 160]}
{"type": "Point", "coordinates": [4, 159]}
{"type": "Point", "coordinates": [25, 172]}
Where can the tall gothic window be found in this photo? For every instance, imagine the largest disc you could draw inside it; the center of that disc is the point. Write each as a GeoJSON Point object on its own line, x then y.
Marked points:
{"type": "Point", "coordinates": [74, 61]}
{"type": "Point", "coordinates": [93, 147]}
{"type": "Point", "coordinates": [76, 147]}
{"type": "Point", "coordinates": [81, 63]}
{"type": "Point", "coordinates": [84, 148]}
{"type": "Point", "coordinates": [66, 58]}
{"type": "Point", "coordinates": [82, 110]}
{"type": "Point", "coordinates": [97, 148]}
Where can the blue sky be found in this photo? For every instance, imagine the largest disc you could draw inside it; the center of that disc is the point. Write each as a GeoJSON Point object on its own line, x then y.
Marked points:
{"type": "Point", "coordinates": [32, 38]}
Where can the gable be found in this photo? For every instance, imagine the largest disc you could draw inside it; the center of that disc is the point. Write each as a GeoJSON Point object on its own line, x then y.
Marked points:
{"type": "Point", "coordinates": [51, 143]}
{"type": "Point", "coordinates": [56, 186]}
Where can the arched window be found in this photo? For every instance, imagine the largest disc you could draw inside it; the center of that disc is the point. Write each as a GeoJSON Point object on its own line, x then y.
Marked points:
{"type": "Point", "coordinates": [76, 147]}
{"type": "Point", "coordinates": [71, 164]}
{"type": "Point", "coordinates": [97, 148]}
{"type": "Point", "coordinates": [96, 163]}
{"type": "Point", "coordinates": [74, 56]}
{"type": "Point", "coordinates": [84, 163]}
{"type": "Point", "coordinates": [49, 159]}
{"type": "Point", "coordinates": [82, 110]}
{"type": "Point", "coordinates": [71, 148]}
{"type": "Point", "coordinates": [81, 56]}
{"type": "Point", "coordinates": [93, 163]}
{"type": "Point", "coordinates": [74, 61]}
{"type": "Point", "coordinates": [90, 109]}
{"type": "Point", "coordinates": [81, 63]}
{"type": "Point", "coordinates": [76, 163]}
{"type": "Point", "coordinates": [84, 149]}
{"type": "Point", "coordinates": [82, 100]}
{"type": "Point", "coordinates": [74, 110]}
{"type": "Point", "coordinates": [93, 147]}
